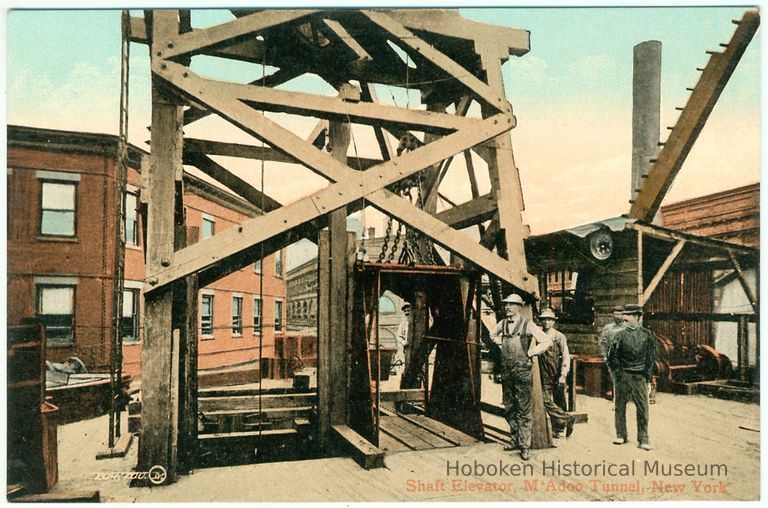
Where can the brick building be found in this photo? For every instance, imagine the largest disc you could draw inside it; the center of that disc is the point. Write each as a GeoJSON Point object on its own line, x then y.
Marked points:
{"type": "Point", "coordinates": [61, 254]}
{"type": "Point", "coordinates": [732, 215]}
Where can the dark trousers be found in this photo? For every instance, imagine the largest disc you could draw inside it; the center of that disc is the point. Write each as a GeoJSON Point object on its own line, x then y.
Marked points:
{"type": "Point", "coordinates": [517, 390]}
{"type": "Point", "coordinates": [557, 416]}
{"type": "Point", "coordinates": [560, 399]}
{"type": "Point", "coordinates": [631, 387]}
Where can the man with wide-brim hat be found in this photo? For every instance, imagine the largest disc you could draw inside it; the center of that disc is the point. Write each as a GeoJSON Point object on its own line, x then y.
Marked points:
{"type": "Point", "coordinates": [554, 364]}
{"type": "Point", "coordinates": [519, 340]}
{"type": "Point", "coordinates": [631, 356]}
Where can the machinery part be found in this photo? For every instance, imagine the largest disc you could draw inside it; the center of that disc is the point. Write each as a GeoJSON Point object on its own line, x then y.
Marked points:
{"type": "Point", "coordinates": [665, 348]}
{"type": "Point", "coordinates": [601, 244]}
{"type": "Point", "coordinates": [711, 364]}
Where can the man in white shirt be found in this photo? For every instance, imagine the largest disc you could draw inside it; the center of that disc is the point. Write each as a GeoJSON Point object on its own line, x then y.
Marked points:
{"type": "Point", "coordinates": [519, 339]}
{"type": "Point", "coordinates": [402, 339]}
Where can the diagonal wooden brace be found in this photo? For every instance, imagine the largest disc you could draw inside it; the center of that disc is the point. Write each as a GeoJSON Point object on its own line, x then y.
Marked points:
{"type": "Point", "coordinates": [351, 187]}
{"type": "Point", "coordinates": [231, 32]}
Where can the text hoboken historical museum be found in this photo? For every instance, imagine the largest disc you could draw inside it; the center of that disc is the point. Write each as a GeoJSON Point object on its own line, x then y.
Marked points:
{"type": "Point", "coordinates": [559, 468]}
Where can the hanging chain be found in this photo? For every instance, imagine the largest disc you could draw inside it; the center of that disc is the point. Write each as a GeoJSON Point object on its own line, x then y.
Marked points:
{"type": "Point", "coordinates": [395, 243]}
{"type": "Point", "coordinates": [385, 245]}
{"type": "Point", "coordinates": [427, 246]}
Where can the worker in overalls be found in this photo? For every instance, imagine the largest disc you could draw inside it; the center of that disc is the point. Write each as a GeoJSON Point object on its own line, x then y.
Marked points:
{"type": "Point", "coordinates": [519, 340]}
{"type": "Point", "coordinates": [554, 365]}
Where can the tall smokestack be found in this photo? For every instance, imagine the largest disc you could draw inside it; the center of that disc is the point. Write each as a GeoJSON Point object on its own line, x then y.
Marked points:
{"type": "Point", "coordinates": [646, 109]}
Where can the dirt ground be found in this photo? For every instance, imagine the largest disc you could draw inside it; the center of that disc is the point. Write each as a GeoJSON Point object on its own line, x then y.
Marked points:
{"type": "Point", "coordinates": [693, 430]}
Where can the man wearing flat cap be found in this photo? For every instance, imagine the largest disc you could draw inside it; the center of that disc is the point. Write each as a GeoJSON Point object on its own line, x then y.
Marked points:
{"type": "Point", "coordinates": [606, 338]}
{"type": "Point", "coordinates": [609, 330]}
{"type": "Point", "coordinates": [631, 357]}
{"type": "Point", "coordinates": [554, 365]}
{"type": "Point", "coordinates": [519, 340]}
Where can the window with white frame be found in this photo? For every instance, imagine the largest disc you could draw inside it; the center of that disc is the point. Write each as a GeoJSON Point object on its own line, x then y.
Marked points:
{"type": "Point", "coordinates": [237, 315]}
{"type": "Point", "coordinates": [129, 325]}
{"type": "Point", "coordinates": [209, 226]}
{"type": "Point", "coordinates": [56, 310]}
{"type": "Point", "coordinates": [57, 208]}
{"type": "Point", "coordinates": [206, 315]}
{"type": "Point", "coordinates": [257, 266]}
{"type": "Point", "coordinates": [278, 315]}
{"type": "Point", "coordinates": [131, 220]}
{"type": "Point", "coordinates": [256, 316]}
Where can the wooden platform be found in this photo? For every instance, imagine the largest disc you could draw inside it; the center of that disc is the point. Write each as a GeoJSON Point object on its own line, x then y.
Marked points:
{"type": "Point", "coordinates": [404, 432]}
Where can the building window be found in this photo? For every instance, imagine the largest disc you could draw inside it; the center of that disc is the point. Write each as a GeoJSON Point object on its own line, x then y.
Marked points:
{"type": "Point", "coordinates": [278, 315]}
{"type": "Point", "coordinates": [256, 315]}
{"type": "Point", "coordinates": [386, 304]}
{"type": "Point", "coordinates": [257, 266]}
{"type": "Point", "coordinates": [130, 318]}
{"type": "Point", "coordinates": [206, 315]}
{"type": "Point", "coordinates": [237, 315]}
{"type": "Point", "coordinates": [209, 227]}
{"type": "Point", "coordinates": [58, 208]}
{"type": "Point", "coordinates": [131, 222]}
{"type": "Point", "coordinates": [279, 263]}
{"type": "Point", "coordinates": [55, 308]}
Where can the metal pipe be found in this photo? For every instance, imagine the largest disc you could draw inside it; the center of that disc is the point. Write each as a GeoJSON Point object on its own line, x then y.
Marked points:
{"type": "Point", "coordinates": [646, 109]}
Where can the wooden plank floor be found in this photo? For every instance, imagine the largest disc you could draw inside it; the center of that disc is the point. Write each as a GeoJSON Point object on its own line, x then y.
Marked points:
{"type": "Point", "coordinates": [403, 432]}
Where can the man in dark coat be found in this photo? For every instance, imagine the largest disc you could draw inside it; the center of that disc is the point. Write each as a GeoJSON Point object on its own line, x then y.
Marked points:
{"type": "Point", "coordinates": [631, 357]}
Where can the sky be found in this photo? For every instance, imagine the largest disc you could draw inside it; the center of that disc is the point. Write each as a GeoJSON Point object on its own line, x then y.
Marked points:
{"type": "Point", "coordinates": [571, 95]}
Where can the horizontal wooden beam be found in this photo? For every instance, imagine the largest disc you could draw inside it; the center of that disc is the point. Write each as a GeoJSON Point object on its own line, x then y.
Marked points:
{"type": "Point", "coordinates": [403, 395]}
{"type": "Point", "coordinates": [364, 453]}
{"type": "Point", "coordinates": [698, 316]}
{"type": "Point", "coordinates": [700, 241]}
{"type": "Point", "coordinates": [238, 402]}
{"type": "Point", "coordinates": [260, 152]}
{"type": "Point", "coordinates": [692, 119]}
{"type": "Point", "coordinates": [470, 213]}
{"type": "Point", "coordinates": [449, 23]}
{"type": "Point", "coordinates": [230, 32]}
{"type": "Point", "coordinates": [333, 108]}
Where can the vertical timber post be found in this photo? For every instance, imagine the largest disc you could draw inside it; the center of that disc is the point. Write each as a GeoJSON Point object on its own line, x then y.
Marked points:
{"type": "Point", "coordinates": [338, 301]}
{"type": "Point", "coordinates": [505, 177]}
{"type": "Point", "coordinates": [334, 338]}
{"type": "Point", "coordinates": [324, 386]}
{"type": "Point", "coordinates": [159, 422]}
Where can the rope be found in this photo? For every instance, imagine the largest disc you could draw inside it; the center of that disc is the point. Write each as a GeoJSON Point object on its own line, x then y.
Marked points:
{"type": "Point", "coordinates": [115, 371]}
{"type": "Point", "coordinates": [261, 276]}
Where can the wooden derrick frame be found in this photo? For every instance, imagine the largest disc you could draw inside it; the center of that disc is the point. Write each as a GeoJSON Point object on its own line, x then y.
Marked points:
{"type": "Point", "coordinates": [457, 61]}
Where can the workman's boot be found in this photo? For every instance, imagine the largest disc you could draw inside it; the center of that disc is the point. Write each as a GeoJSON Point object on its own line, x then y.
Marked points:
{"type": "Point", "coordinates": [525, 454]}
{"type": "Point", "coordinates": [569, 426]}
